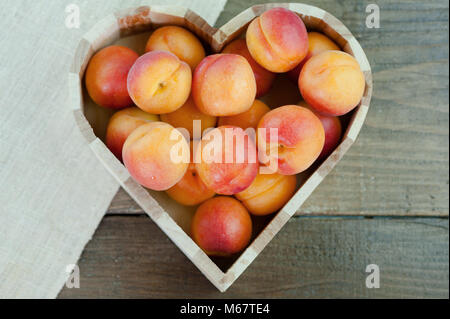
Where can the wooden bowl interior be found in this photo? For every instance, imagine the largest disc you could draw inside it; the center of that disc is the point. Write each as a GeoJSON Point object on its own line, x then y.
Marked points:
{"type": "Point", "coordinates": [283, 92]}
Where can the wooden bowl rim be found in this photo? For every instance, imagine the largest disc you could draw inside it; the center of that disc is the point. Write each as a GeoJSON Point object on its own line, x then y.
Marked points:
{"type": "Point", "coordinates": [134, 20]}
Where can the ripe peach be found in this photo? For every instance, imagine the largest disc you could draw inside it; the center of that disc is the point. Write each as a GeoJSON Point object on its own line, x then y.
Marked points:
{"type": "Point", "coordinates": [221, 226]}
{"type": "Point", "coordinates": [268, 193]}
{"type": "Point", "coordinates": [185, 116]}
{"type": "Point", "coordinates": [226, 160]}
{"type": "Point", "coordinates": [318, 43]}
{"type": "Point", "coordinates": [332, 82]}
{"type": "Point", "coordinates": [249, 118]}
{"type": "Point", "coordinates": [333, 131]}
{"type": "Point", "coordinates": [263, 77]}
{"type": "Point", "coordinates": [106, 76]}
{"type": "Point", "coordinates": [277, 40]}
{"type": "Point", "coordinates": [156, 155]}
{"type": "Point", "coordinates": [121, 124]}
{"type": "Point", "coordinates": [159, 82]}
{"type": "Point", "coordinates": [300, 138]}
{"type": "Point", "coordinates": [180, 42]}
{"type": "Point", "coordinates": [190, 190]}
{"type": "Point", "coordinates": [223, 84]}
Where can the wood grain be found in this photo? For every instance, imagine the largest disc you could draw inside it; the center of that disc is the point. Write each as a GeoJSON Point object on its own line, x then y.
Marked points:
{"type": "Point", "coordinates": [399, 165]}
{"type": "Point", "coordinates": [129, 256]}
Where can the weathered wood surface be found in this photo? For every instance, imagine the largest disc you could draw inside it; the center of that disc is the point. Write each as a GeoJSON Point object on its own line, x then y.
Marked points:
{"type": "Point", "coordinates": [311, 258]}
{"type": "Point", "coordinates": [400, 163]}
{"type": "Point", "coordinates": [398, 166]}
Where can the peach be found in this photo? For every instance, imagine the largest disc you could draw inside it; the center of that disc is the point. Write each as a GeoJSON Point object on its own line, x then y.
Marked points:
{"type": "Point", "coordinates": [180, 42]}
{"type": "Point", "coordinates": [277, 40]}
{"type": "Point", "coordinates": [184, 117]}
{"type": "Point", "coordinates": [221, 226]}
{"type": "Point", "coordinates": [332, 82]}
{"type": "Point", "coordinates": [268, 193]}
{"type": "Point", "coordinates": [226, 160]}
{"type": "Point", "coordinates": [106, 76]}
{"type": "Point", "coordinates": [333, 131]}
{"type": "Point", "coordinates": [121, 124]}
{"type": "Point", "coordinates": [156, 155]}
{"type": "Point", "coordinates": [249, 118]}
{"type": "Point", "coordinates": [223, 84]}
{"type": "Point", "coordinates": [317, 44]}
{"type": "Point", "coordinates": [159, 82]}
{"type": "Point", "coordinates": [190, 190]}
{"type": "Point", "coordinates": [263, 77]}
{"type": "Point", "coordinates": [299, 141]}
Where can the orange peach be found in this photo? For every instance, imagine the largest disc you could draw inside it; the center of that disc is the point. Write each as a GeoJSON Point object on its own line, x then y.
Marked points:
{"type": "Point", "coordinates": [221, 226]}
{"type": "Point", "coordinates": [156, 155]}
{"type": "Point", "coordinates": [249, 118]}
{"type": "Point", "coordinates": [223, 84]}
{"type": "Point", "coordinates": [106, 76]}
{"type": "Point", "coordinates": [190, 190]}
{"type": "Point", "coordinates": [121, 124]}
{"type": "Point", "coordinates": [226, 160]}
{"type": "Point", "coordinates": [332, 82]}
{"type": "Point", "coordinates": [277, 40]}
{"type": "Point", "coordinates": [263, 77]}
{"type": "Point", "coordinates": [333, 131]}
{"type": "Point", "coordinates": [180, 42]}
{"type": "Point", "coordinates": [186, 115]}
{"type": "Point", "coordinates": [159, 82]}
{"type": "Point", "coordinates": [268, 193]}
{"type": "Point", "coordinates": [299, 140]}
{"type": "Point", "coordinates": [318, 43]}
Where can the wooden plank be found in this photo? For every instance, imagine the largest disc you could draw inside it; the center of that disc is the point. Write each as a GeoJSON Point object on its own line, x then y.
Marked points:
{"type": "Point", "coordinates": [399, 166]}
{"type": "Point", "coordinates": [312, 257]}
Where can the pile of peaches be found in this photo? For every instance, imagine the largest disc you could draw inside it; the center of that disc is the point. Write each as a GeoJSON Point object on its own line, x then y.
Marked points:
{"type": "Point", "coordinates": [178, 108]}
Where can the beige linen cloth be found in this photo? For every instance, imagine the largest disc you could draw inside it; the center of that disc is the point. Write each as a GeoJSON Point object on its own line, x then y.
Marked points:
{"type": "Point", "coordinates": [54, 191]}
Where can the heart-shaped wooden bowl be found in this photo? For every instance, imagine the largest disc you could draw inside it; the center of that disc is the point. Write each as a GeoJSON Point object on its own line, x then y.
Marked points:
{"type": "Point", "coordinates": [131, 28]}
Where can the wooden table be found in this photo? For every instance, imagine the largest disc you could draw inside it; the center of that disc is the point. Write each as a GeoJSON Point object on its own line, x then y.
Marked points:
{"type": "Point", "coordinates": [386, 202]}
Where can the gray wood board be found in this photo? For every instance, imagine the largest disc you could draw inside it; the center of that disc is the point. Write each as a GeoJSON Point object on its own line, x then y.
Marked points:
{"type": "Point", "coordinates": [313, 257]}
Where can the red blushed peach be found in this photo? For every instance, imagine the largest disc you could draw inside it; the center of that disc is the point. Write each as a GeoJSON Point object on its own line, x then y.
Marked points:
{"type": "Point", "coordinates": [159, 82]}
{"type": "Point", "coordinates": [332, 83]}
{"type": "Point", "coordinates": [156, 155]}
{"type": "Point", "coordinates": [249, 118]}
{"type": "Point", "coordinates": [277, 40]}
{"type": "Point", "coordinates": [268, 193]}
{"type": "Point", "coordinates": [186, 115]}
{"type": "Point", "coordinates": [190, 190]}
{"type": "Point", "coordinates": [226, 160]}
{"type": "Point", "coordinates": [299, 141]}
{"type": "Point", "coordinates": [106, 76]}
{"type": "Point", "coordinates": [121, 124]}
{"type": "Point", "coordinates": [263, 77]}
{"type": "Point", "coordinates": [333, 131]}
{"type": "Point", "coordinates": [179, 41]}
{"type": "Point", "coordinates": [221, 226]}
{"type": "Point", "coordinates": [318, 43]}
{"type": "Point", "coordinates": [223, 84]}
